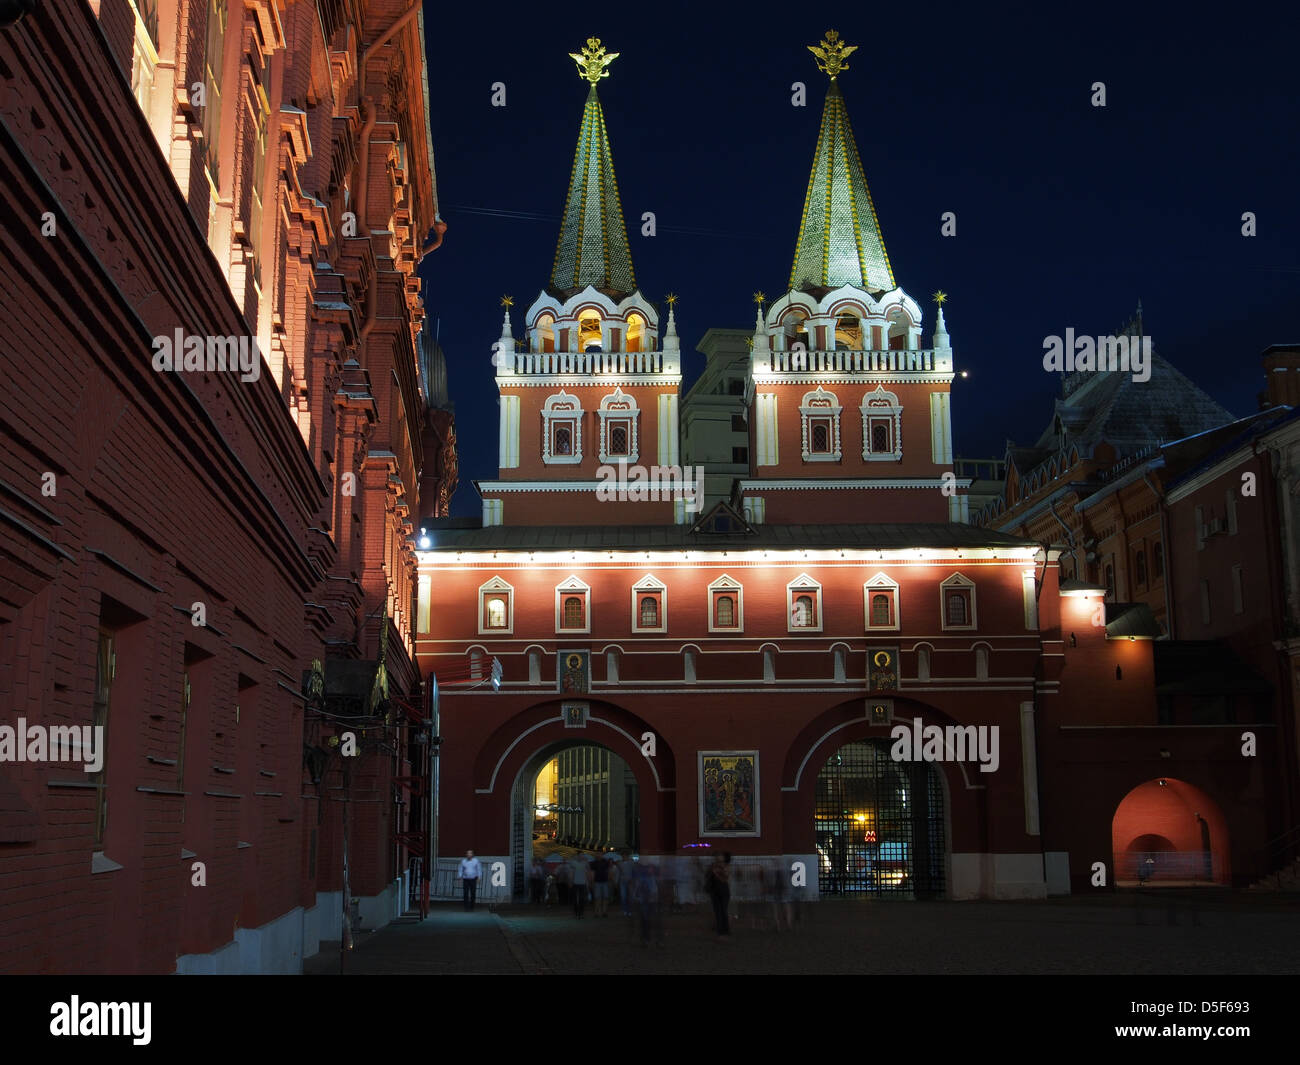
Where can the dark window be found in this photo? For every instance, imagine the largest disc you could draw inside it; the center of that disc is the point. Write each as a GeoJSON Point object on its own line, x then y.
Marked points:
{"type": "Point", "coordinates": [1158, 559]}
{"type": "Point", "coordinates": [1110, 582]}
{"type": "Point", "coordinates": [957, 612]}
{"type": "Point", "coordinates": [649, 612]}
{"type": "Point", "coordinates": [1140, 565]}
{"type": "Point", "coordinates": [738, 424]}
{"type": "Point", "coordinates": [880, 609]}
{"type": "Point", "coordinates": [821, 438]}
{"type": "Point", "coordinates": [740, 456]}
{"type": "Point", "coordinates": [573, 612]}
{"type": "Point", "coordinates": [726, 612]}
{"type": "Point", "coordinates": [880, 439]}
{"type": "Point", "coordinates": [736, 386]}
{"type": "Point", "coordinates": [618, 440]}
{"type": "Point", "coordinates": [563, 440]}
{"type": "Point", "coordinates": [104, 669]}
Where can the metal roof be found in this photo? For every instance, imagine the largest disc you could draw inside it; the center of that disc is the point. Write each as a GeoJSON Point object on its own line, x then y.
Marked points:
{"type": "Point", "coordinates": [784, 537]}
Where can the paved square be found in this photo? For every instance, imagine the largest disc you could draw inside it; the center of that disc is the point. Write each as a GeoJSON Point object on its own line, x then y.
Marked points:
{"type": "Point", "coordinates": [1166, 933]}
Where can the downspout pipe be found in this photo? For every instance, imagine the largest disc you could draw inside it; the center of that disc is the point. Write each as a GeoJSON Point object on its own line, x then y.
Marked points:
{"type": "Point", "coordinates": [1167, 576]}
{"type": "Point", "coordinates": [1069, 536]}
{"type": "Point", "coordinates": [371, 113]}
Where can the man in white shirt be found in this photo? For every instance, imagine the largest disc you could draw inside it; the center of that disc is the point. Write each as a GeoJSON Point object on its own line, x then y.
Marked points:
{"type": "Point", "coordinates": [470, 870]}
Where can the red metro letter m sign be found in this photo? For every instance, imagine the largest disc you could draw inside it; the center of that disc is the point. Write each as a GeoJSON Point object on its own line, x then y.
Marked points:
{"type": "Point", "coordinates": [882, 669]}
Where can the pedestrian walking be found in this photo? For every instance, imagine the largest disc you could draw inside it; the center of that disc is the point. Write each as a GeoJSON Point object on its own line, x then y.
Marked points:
{"type": "Point", "coordinates": [720, 893]}
{"type": "Point", "coordinates": [564, 883]}
{"type": "Point", "coordinates": [470, 871]}
{"type": "Point", "coordinates": [537, 881]}
{"type": "Point", "coordinates": [599, 869]}
{"type": "Point", "coordinates": [581, 873]}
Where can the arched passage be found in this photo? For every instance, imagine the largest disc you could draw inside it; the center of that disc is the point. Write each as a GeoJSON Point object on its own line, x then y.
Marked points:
{"type": "Point", "coordinates": [879, 824]}
{"type": "Point", "coordinates": [597, 797]}
{"type": "Point", "coordinates": [1169, 831]}
{"type": "Point", "coordinates": [521, 745]}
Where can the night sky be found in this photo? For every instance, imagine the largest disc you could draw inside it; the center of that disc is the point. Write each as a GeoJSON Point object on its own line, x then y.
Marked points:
{"type": "Point", "coordinates": [1067, 214]}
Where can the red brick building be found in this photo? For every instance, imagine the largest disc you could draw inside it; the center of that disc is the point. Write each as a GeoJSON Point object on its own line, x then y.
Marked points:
{"type": "Point", "coordinates": [750, 663]}
{"type": "Point", "coordinates": [181, 545]}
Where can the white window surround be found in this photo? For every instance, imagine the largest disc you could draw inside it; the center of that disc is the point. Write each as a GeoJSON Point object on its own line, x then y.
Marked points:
{"type": "Point", "coordinates": [882, 404]}
{"type": "Point", "coordinates": [956, 581]}
{"type": "Point", "coordinates": [564, 590]}
{"type": "Point", "coordinates": [820, 403]}
{"type": "Point", "coordinates": [485, 590]}
{"type": "Point", "coordinates": [562, 407]}
{"type": "Point", "coordinates": [649, 583]}
{"type": "Point", "coordinates": [618, 406]}
{"type": "Point", "coordinates": [727, 584]}
{"type": "Point", "coordinates": [803, 584]}
{"type": "Point", "coordinates": [881, 583]}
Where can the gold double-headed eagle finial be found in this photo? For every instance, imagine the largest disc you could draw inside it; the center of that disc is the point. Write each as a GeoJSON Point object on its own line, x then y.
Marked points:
{"type": "Point", "coordinates": [593, 60]}
{"type": "Point", "coordinates": [831, 54]}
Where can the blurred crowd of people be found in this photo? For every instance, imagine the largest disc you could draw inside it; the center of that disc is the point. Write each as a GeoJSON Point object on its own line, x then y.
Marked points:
{"type": "Point", "coordinates": [646, 889]}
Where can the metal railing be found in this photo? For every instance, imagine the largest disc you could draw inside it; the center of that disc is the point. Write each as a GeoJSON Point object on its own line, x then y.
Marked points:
{"type": "Point", "coordinates": [839, 361]}
{"type": "Point", "coordinates": [588, 362]}
{"type": "Point", "coordinates": [1164, 865]}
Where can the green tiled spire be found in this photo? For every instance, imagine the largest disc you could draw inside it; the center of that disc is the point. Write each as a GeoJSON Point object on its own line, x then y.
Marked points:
{"type": "Point", "coordinates": [839, 235]}
{"type": "Point", "coordinates": [593, 248]}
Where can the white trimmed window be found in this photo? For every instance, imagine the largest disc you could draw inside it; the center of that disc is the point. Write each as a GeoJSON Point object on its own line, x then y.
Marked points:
{"type": "Point", "coordinates": [618, 428]}
{"type": "Point", "coordinates": [649, 602]}
{"type": "Point", "coordinates": [572, 606]}
{"type": "Point", "coordinates": [561, 430]}
{"type": "Point", "coordinates": [957, 603]}
{"type": "Point", "coordinates": [881, 599]}
{"type": "Point", "coordinates": [882, 426]}
{"type": "Point", "coordinates": [820, 414]}
{"type": "Point", "coordinates": [496, 607]}
{"type": "Point", "coordinates": [803, 603]}
{"type": "Point", "coordinates": [726, 606]}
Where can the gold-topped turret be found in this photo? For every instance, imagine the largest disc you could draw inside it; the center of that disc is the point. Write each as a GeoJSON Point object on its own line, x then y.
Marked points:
{"type": "Point", "coordinates": [830, 54]}
{"type": "Point", "coordinates": [592, 60]}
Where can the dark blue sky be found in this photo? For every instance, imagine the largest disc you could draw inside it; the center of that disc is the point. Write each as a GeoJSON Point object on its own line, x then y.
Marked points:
{"type": "Point", "coordinates": [1067, 214]}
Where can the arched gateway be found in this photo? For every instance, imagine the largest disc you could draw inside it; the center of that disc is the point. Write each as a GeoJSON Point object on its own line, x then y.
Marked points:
{"type": "Point", "coordinates": [879, 824]}
{"type": "Point", "coordinates": [594, 803]}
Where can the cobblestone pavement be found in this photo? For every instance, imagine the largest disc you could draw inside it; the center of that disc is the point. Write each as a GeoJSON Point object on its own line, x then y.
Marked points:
{"type": "Point", "coordinates": [1190, 933]}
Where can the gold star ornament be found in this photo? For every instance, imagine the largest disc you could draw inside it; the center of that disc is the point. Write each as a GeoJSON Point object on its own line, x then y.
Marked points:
{"type": "Point", "coordinates": [831, 53]}
{"type": "Point", "coordinates": [671, 298]}
{"type": "Point", "coordinates": [506, 301]}
{"type": "Point", "coordinates": [759, 298]}
{"type": "Point", "coordinates": [593, 60]}
{"type": "Point", "coordinates": [940, 297]}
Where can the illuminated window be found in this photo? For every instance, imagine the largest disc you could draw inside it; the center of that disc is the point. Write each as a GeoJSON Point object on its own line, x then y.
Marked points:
{"type": "Point", "coordinates": [545, 333]}
{"type": "Point", "coordinates": [848, 332]}
{"type": "Point", "coordinates": [495, 613]}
